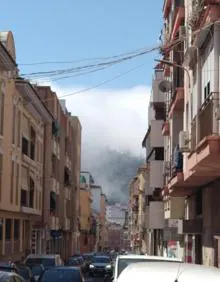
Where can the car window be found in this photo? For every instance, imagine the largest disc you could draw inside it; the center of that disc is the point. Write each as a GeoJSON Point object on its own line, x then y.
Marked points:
{"type": "Point", "coordinates": [101, 260]}
{"type": "Point", "coordinates": [60, 275]}
{"type": "Point", "coordinates": [47, 262]}
{"type": "Point", "coordinates": [36, 270]}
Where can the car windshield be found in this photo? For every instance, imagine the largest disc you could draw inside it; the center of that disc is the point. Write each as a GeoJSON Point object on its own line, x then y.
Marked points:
{"type": "Point", "coordinates": [6, 269]}
{"type": "Point", "coordinates": [23, 272]}
{"type": "Point", "coordinates": [100, 260]}
{"type": "Point", "coordinates": [60, 275]}
{"type": "Point", "coordinates": [47, 262]}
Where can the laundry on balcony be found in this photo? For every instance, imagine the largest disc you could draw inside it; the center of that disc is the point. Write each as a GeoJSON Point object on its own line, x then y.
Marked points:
{"type": "Point", "coordinates": [177, 160]}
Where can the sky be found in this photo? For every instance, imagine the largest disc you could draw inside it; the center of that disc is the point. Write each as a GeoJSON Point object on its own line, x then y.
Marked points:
{"type": "Point", "coordinates": [115, 113]}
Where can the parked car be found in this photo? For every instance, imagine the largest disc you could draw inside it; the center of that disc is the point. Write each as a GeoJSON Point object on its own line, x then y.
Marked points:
{"type": "Point", "coordinates": [47, 261]}
{"type": "Point", "coordinates": [123, 261]}
{"type": "Point", "coordinates": [101, 265]}
{"type": "Point", "coordinates": [36, 270]}
{"type": "Point", "coordinates": [81, 262]}
{"type": "Point", "coordinates": [169, 271]}
{"type": "Point", "coordinates": [25, 272]}
{"type": "Point", "coordinates": [10, 277]}
{"type": "Point", "coordinates": [6, 267]}
{"type": "Point", "coordinates": [62, 274]}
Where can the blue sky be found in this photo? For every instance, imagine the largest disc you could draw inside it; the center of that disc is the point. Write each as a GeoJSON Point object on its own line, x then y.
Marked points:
{"type": "Point", "coordinates": [114, 115]}
{"type": "Point", "coordinates": [55, 30]}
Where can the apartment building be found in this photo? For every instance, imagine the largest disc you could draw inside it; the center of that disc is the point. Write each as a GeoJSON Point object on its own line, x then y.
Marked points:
{"type": "Point", "coordinates": [153, 142]}
{"type": "Point", "coordinates": [191, 45]}
{"type": "Point", "coordinates": [23, 120]}
{"type": "Point", "coordinates": [61, 200]}
{"type": "Point", "coordinates": [85, 216]}
{"type": "Point", "coordinates": [103, 224]}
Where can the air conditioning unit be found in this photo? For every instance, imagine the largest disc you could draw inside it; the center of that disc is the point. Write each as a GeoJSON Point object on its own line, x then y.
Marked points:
{"type": "Point", "coordinates": [166, 168]}
{"type": "Point", "coordinates": [184, 141]}
{"type": "Point", "coordinates": [182, 32]}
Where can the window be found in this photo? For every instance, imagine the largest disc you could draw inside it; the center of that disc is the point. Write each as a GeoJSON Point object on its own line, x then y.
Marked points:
{"type": "Point", "coordinates": [1, 171]}
{"type": "Point", "coordinates": [66, 177]}
{"type": "Point", "coordinates": [2, 109]}
{"type": "Point", "coordinates": [13, 123]}
{"type": "Point", "coordinates": [31, 193]}
{"type": "Point", "coordinates": [12, 181]}
{"type": "Point", "coordinates": [199, 202]}
{"type": "Point", "coordinates": [8, 229]}
{"type": "Point", "coordinates": [32, 144]}
{"type": "Point", "coordinates": [16, 229]}
{"type": "Point", "coordinates": [25, 144]}
{"type": "Point", "coordinates": [23, 198]}
{"type": "Point", "coordinates": [19, 129]}
{"type": "Point", "coordinates": [17, 184]}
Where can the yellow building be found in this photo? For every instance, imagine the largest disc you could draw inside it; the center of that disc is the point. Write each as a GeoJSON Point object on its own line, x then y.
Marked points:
{"type": "Point", "coordinates": [103, 226]}
{"type": "Point", "coordinates": [85, 216]}
{"type": "Point", "coordinates": [22, 122]}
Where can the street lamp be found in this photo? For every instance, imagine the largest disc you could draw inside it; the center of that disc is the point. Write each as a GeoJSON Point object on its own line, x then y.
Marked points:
{"type": "Point", "coordinates": [173, 64]}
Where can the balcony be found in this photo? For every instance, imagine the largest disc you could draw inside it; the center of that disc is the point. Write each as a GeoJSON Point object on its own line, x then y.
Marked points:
{"type": "Point", "coordinates": [157, 97]}
{"type": "Point", "coordinates": [191, 226]}
{"type": "Point", "coordinates": [166, 128]}
{"type": "Point", "coordinates": [174, 208]}
{"type": "Point", "coordinates": [156, 137]}
{"type": "Point", "coordinates": [178, 18]}
{"type": "Point", "coordinates": [203, 162]}
{"type": "Point", "coordinates": [177, 102]}
{"type": "Point", "coordinates": [166, 7]}
{"type": "Point", "coordinates": [155, 217]}
{"type": "Point", "coordinates": [29, 210]}
{"type": "Point", "coordinates": [204, 17]}
{"type": "Point", "coordinates": [156, 177]}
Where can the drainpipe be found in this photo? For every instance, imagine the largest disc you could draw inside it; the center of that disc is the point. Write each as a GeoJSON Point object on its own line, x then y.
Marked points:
{"type": "Point", "coordinates": [216, 77]}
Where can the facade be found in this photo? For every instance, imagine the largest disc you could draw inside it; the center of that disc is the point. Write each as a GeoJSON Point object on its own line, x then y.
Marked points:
{"type": "Point", "coordinates": [116, 213]}
{"type": "Point", "coordinates": [61, 220]}
{"type": "Point", "coordinates": [115, 235]}
{"type": "Point", "coordinates": [85, 217]}
{"type": "Point", "coordinates": [191, 128]}
{"type": "Point", "coordinates": [154, 144]}
{"type": "Point", "coordinates": [103, 225]}
{"type": "Point", "coordinates": [21, 159]}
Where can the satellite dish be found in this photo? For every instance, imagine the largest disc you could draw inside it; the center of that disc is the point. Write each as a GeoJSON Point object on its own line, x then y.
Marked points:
{"type": "Point", "coordinates": [165, 86]}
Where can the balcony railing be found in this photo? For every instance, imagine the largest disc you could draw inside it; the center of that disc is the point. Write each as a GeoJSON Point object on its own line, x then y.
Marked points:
{"type": "Point", "coordinates": [206, 118]}
{"type": "Point", "coordinates": [204, 121]}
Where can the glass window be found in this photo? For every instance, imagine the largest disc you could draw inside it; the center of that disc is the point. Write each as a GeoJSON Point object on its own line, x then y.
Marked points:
{"type": "Point", "coordinates": [61, 275]}
{"type": "Point", "coordinates": [101, 260]}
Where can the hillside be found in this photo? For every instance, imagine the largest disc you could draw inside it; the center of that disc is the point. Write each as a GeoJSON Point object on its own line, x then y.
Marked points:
{"type": "Point", "coordinates": [111, 169]}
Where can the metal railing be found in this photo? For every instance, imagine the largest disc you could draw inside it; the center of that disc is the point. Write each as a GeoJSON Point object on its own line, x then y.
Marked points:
{"type": "Point", "coordinates": [204, 120]}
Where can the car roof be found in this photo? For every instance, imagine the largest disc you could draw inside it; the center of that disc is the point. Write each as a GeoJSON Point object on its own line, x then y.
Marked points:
{"type": "Point", "coordinates": [149, 257]}
{"type": "Point", "coordinates": [64, 268]}
{"type": "Point", "coordinates": [101, 257]}
{"type": "Point", "coordinates": [42, 256]}
{"type": "Point", "coordinates": [4, 274]}
{"type": "Point", "coordinates": [168, 271]}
